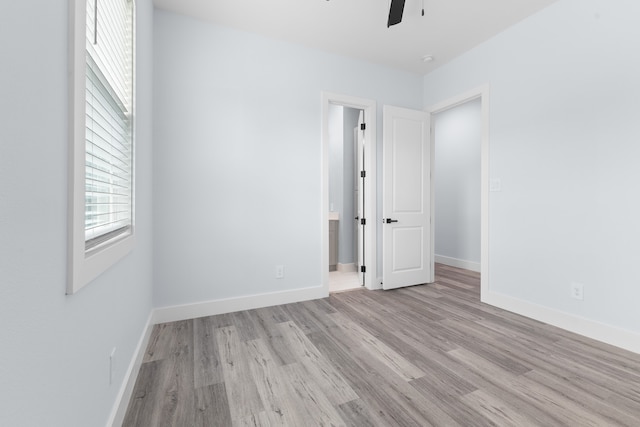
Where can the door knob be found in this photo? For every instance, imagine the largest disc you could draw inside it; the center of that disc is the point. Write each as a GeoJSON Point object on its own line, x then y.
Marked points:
{"type": "Point", "coordinates": [389, 220]}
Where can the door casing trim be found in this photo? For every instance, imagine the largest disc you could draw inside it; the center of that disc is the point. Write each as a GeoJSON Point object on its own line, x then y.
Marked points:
{"type": "Point", "coordinates": [371, 133]}
{"type": "Point", "coordinates": [481, 92]}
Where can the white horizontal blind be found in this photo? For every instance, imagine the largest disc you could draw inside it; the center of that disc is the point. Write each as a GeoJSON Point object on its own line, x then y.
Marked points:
{"type": "Point", "coordinates": [109, 128]}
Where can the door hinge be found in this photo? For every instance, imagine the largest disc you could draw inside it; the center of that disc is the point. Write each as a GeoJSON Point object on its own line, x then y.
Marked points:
{"type": "Point", "coordinates": [363, 269]}
{"type": "Point", "coordinates": [363, 221]}
{"type": "Point", "coordinates": [363, 126]}
{"type": "Point", "coordinates": [363, 174]}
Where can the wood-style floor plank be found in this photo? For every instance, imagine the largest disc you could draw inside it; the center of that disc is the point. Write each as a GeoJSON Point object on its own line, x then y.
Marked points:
{"type": "Point", "coordinates": [168, 339]}
{"type": "Point", "coordinates": [180, 399]}
{"type": "Point", "coordinates": [212, 406]}
{"type": "Point", "coordinates": [265, 321]}
{"type": "Point", "coordinates": [497, 411]}
{"type": "Point", "coordinates": [279, 401]}
{"type": "Point", "coordinates": [448, 399]}
{"type": "Point", "coordinates": [206, 370]}
{"type": "Point", "coordinates": [317, 366]}
{"type": "Point", "coordinates": [376, 348]}
{"type": "Point", "coordinates": [319, 409]}
{"type": "Point", "coordinates": [428, 355]}
{"type": "Point", "coordinates": [364, 379]}
{"type": "Point", "coordinates": [562, 409]}
{"type": "Point", "coordinates": [581, 397]}
{"type": "Point", "coordinates": [242, 392]}
{"type": "Point", "coordinates": [359, 413]}
{"type": "Point", "coordinates": [145, 405]}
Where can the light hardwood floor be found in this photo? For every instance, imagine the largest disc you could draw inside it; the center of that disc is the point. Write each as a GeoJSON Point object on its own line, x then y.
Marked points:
{"type": "Point", "coordinates": [419, 356]}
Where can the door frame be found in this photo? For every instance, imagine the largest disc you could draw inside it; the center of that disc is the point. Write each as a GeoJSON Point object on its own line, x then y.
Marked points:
{"type": "Point", "coordinates": [370, 253]}
{"type": "Point", "coordinates": [481, 92]}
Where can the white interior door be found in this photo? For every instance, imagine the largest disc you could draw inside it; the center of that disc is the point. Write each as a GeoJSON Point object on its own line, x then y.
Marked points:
{"type": "Point", "coordinates": [359, 194]}
{"type": "Point", "coordinates": [406, 210]}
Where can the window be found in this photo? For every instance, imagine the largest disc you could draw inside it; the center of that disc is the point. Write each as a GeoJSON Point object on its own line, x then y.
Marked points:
{"type": "Point", "coordinates": [101, 148]}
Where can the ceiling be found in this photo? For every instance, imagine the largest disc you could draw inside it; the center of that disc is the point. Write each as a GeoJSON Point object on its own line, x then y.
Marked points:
{"type": "Point", "coordinates": [358, 28]}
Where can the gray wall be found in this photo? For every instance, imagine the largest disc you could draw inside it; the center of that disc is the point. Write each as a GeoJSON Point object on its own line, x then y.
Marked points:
{"type": "Point", "coordinates": [54, 360]}
{"type": "Point", "coordinates": [237, 156]}
{"type": "Point", "coordinates": [336, 159]}
{"type": "Point", "coordinates": [341, 179]}
{"type": "Point", "coordinates": [457, 139]}
{"type": "Point", "coordinates": [347, 251]}
{"type": "Point", "coordinates": [342, 121]}
{"type": "Point", "coordinates": [564, 134]}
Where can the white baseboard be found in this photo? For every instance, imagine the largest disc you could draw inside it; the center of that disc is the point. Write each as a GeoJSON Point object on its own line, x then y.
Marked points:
{"type": "Point", "coordinates": [455, 262]}
{"type": "Point", "coordinates": [228, 305]}
{"type": "Point", "coordinates": [615, 336]}
{"type": "Point", "coordinates": [119, 410]}
{"type": "Point", "coordinates": [347, 268]}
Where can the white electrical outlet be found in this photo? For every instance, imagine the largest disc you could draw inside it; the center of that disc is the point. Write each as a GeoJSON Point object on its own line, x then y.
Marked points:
{"type": "Point", "coordinates": [279, 271]}
{"type": "Point", "coordinates": [577, 291]}
{"type": "Point", "coordinates": [112, 365]}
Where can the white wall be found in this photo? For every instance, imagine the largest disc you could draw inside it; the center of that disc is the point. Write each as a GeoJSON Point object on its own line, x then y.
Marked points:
{"type": "Point", "coordinates": [564, 134]}
{"type": "Point", "coordinates": [238, 156]}
{"type": "Point", "coordinates": [457, 139]}
{"type": "Point", "coordinates": [55, 348]}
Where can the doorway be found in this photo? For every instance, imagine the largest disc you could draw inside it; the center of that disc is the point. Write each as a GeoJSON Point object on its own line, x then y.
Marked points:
{"type": "Point", "coordinates": [481, 93]}
{"type": "Point", "coordinates": [457, 139]}
{"type": "Point", "coordinates": [346, 198]}
{"type": "Point", "coordinates": [364, 174]}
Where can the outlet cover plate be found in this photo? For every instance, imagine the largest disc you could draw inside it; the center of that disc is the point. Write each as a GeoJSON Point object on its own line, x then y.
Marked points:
{"type": "Point", "coordinates": [279, 271]}
{"type": "Point", "coordinates": [577, 291]}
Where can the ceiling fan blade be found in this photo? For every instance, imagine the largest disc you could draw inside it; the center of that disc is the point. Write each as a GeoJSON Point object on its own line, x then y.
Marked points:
{"type": "Point", "coordinates": [395, 12]}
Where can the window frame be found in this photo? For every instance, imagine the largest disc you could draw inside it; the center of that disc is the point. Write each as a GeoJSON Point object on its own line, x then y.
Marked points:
{"type": "Point", "coordinates": [85, 265]}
